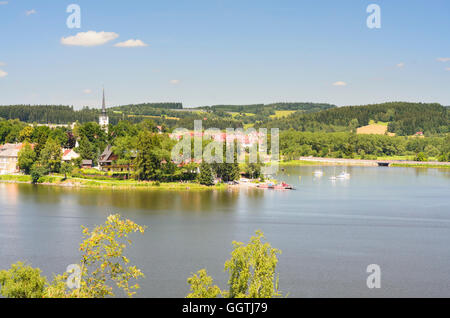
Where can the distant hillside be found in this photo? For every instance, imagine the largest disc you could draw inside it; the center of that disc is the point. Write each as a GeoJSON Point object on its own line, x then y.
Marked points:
{"type": "Point", "coordinates": [59, 114]}
{"type": "Point", "coordinates": [403, 118]}
{"type": "Point", "coordinates": [260, 108]}
{"type": "Point", "coordinates": [146, 108]}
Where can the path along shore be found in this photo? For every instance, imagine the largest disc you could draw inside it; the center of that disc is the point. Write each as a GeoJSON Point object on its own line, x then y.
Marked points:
{"type": "Point", "coordinates": [362, 162]}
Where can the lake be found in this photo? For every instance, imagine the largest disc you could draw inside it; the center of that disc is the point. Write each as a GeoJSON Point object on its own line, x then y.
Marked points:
{"type": "Point", "coordinates": [328, 231]}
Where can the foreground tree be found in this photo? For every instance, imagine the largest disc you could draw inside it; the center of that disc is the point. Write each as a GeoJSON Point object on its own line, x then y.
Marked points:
{"type": "Point", "coordinates": [202, 286]}
{"type": "Point", "coordinates": [22, 281]}
{"type": "Point", "coordinates": [252, 273]}
{"type": "Point", "coordinates": [102, 262]}
{"type": "Point", "coordinates": [102, 266]}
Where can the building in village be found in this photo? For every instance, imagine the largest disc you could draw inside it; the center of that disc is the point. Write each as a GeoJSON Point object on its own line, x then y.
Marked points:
{"type": "Point", "coordinates": [9, 157]}
{"type": "Point", "coordinates": [69, 155]}
{"type": "Point", "coordinates": [108, 161]}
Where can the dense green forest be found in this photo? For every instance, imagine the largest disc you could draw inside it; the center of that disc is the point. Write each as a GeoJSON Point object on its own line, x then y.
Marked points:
{"type": "Point", "coordinates": [294, 144]}
{"type": "Point", "coordinates": [59, 114]}
{"type": "Point", "coordinates": [259, 108]}
{"type": "Point", "coordinates": [404, 118]}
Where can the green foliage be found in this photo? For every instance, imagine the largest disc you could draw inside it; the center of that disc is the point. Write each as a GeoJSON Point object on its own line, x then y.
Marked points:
{"type": "Point", "coordinates": [202, 286]}
{"type": "Point", "coordinates": [294, 144]}
{"type": "Point", "coordinates": [50, 156]}
{"type": "Point", "coordinates": [22, 281]}
{"type": "Point", "coordinates": [10, 129]}
{"type": "Point", "coordinates": [87, 150]}
{"type": "Point", "coordinates": [206, 176]}
{"type": "Point", "coordinates": [26, 158]}
{"type": "Point", "coordinates": [26, 134]}
{"type": "Point", "coordinates": [252, 170]}
{"type": "Point", "coordinates": [103, 262]}
{"type": "Point", "coordinates": [251, 271]}
{"type": "Point", "coordinates": [66, 169]}
{"type": "Point", "coordinates": [421, 157]}
{"type": "Point", "coordinates": [404, 119]}
{"type": "Point", "coordinates": [37, 172]}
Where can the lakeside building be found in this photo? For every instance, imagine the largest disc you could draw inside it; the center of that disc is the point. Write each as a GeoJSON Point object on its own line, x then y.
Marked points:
{"type": "Point", "coordinates": [69, 154]}
{"type": "Point", "coordinates": [107, 161]}
{"type": "Point", "coordinates": [9, 157]}
{"type": "Point", "coordinates": [86, 164]}
{"type": "Point", "coordinates": [103, 119]}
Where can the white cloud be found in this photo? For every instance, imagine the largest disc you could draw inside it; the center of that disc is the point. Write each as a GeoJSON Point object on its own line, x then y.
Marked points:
{"type": "Point", "coordinates": [175, 82]}
{"type": "Point", "coordinates": [87, 91]}
{"type": "Point", "coordinates": [340, 83]}
{"type": "Point", "coordinates": [30, 12]}
{"type": "Point", "coordinates": [2, 63]}
{"type": "Point", "coordinates": [3, 3]}
{"type": "Point", "coordinates": [3, 74]}
{"type": "Point", "coordinates": [131, 43]}
{"type": "Point", "coordinates": [447, 69]}
{"type": "Point", "coordinates": [400, 65]}
{"type": "Point", "coordinates": [90, 38]}
{"type": "Point", "coordinates": [443, 59]}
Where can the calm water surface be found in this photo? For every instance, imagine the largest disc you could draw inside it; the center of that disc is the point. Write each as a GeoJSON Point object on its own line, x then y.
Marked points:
{"type": "Point", "coordinates": [398, 218]}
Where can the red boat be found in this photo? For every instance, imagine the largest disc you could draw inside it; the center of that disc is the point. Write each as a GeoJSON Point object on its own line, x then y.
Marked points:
{"type": "Point", "coordinates": [284, 186]}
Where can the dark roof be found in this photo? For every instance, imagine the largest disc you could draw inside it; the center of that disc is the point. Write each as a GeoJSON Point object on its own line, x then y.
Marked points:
{"type": "Point", "coordinates": [104, 157]}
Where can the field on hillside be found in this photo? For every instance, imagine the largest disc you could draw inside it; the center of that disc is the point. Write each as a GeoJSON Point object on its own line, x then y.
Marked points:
{"type": "Point", "coordinates": [282, 113]}
{"type": "Point", "coordinates": [379, 128]}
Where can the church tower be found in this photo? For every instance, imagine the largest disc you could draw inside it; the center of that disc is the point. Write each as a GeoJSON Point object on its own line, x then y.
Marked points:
{"type": "Point", "coordinates": [104, 119]}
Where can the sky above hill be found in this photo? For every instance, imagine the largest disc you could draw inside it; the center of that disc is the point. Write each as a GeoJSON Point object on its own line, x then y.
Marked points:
{"type": "Point", "coordinates": [205, 52]}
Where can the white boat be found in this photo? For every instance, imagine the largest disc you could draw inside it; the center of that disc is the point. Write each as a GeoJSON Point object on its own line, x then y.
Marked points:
{"type": "Point", "coordinates": [343, 175]}
{"type": "Point", "coordinates": [318, 173]}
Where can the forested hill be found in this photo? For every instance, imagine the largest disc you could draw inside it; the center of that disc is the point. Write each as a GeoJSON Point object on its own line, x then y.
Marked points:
{"type": "Point", "coordinates": [403, 118]}
{"type": "Point", "coordinates": [42, 114]}
{"type": "Point", "coordinates": [146, 108]}
{"type": "Point", "coordinates": [59, 114]}
{"type": "Point", "coordinates": [260, 108]}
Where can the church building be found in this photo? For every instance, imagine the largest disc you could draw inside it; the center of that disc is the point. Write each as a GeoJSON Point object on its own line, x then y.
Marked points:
{"type": "Point", "coordinates": [104, 119]}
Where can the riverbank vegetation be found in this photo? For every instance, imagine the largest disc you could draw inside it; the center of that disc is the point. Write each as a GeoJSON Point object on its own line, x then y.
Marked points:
{"type": "Point", "coordinates": [295, 144]}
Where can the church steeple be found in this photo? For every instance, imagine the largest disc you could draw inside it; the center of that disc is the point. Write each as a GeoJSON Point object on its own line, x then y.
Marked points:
{"type": "Point", "coordinates": [104, 103]}
{"type": "Point", "coordinates": [103, 119]}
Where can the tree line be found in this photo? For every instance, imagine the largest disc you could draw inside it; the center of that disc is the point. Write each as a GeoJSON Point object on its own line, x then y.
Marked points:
{"type": "Point", "coordinates": [404, 119]}
{"type": "Point", "coordinates": [294, 144]}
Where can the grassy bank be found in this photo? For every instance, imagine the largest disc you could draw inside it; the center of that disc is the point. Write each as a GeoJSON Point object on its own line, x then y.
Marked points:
{"type": "Point", "coordinates": [354, 162]}
{"type": "Point", "coordinates": [418, 165]}
{"type": "Point", "coordinates": [58, 180]}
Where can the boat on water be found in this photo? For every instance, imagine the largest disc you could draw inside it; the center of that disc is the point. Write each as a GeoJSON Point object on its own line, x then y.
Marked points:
{"type": "Point", "coordinates": [266, 186]}
{"type": "Point", "coordinates": [280, 186]}
{"type": "Point", "coordinates": [284, 186]}
{"type": "Point", "coordinates": [343, 175]}
{"type": "Point", "coordinates": [318, 173]}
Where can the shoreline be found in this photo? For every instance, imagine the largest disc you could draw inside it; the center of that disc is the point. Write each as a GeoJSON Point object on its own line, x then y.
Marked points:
{"type": "Point", "coordinates": [319, 161]}
{"type": "Point", "coordinates": [57, 181]}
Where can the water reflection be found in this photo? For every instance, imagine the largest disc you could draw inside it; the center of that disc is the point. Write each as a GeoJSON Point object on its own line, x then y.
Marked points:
{"type": "Point", "coordinates": [398, 217]}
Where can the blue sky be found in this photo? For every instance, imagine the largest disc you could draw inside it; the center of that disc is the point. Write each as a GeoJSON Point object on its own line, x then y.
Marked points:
{"type": "Point", "coordinates": [204, 52]}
